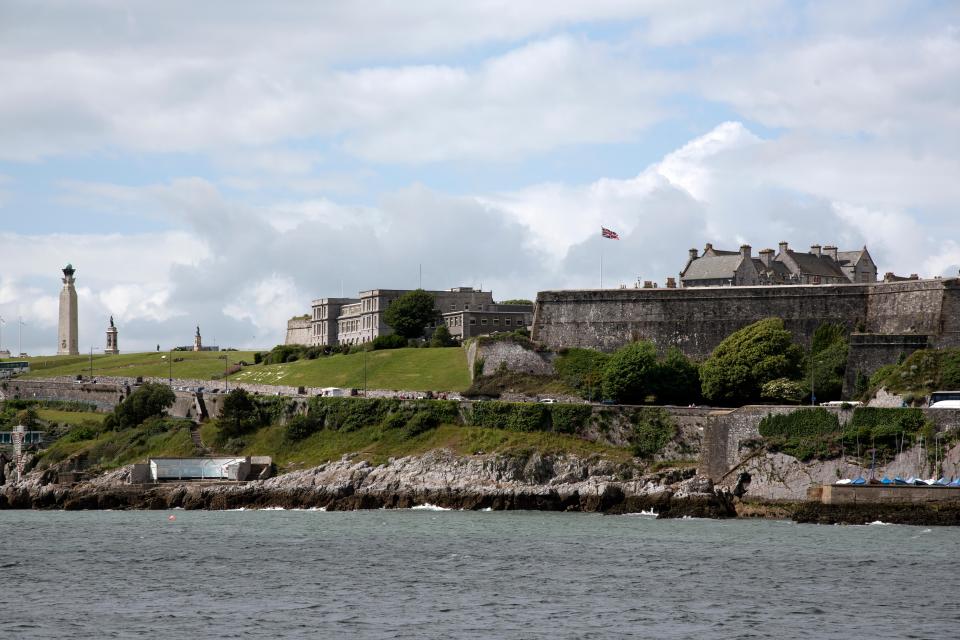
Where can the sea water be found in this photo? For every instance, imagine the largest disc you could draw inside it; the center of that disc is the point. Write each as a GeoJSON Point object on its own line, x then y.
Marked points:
{"type": "Point", "coordinates": [450, 574]}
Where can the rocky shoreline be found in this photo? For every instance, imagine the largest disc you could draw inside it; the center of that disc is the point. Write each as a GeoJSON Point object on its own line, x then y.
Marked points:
{"type": "Point", "coordinates": [443, 479]}
{"type": "Point", "coordinates": [440, 478]}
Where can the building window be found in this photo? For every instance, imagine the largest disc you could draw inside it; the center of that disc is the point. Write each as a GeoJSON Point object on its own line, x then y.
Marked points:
{"type": "Point", "coordinates": [496, 321]}
{"type": "Point", "coordinates": [466, 307]}
{"type": "Point", "coordinates": [473, 321]}
{"type": "Point", "coordinates": [483, 321]}
{"type": "Point", "coordinates": [506, 321]}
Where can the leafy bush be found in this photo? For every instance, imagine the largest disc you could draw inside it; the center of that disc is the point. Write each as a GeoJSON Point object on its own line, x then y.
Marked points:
{"type": "Point", "coordinates": [441, 337]}
{"type": "Point", "coordinates": [802, 422]}
{"type": "Point", "coordinates": [747, 359]}
{"type": "Point", "coordinates": [392, 341]}
{"type": "Point", "coordinates": [582, 369]}
{"type": "Point", "coordinates": [302, 426]}
{"type": "Point", "coordinates": [150, 399]}
{"type": "Point", "coordinates": [653, 429]}
{"type": "Point", "coordinates": [782, 390]}
{"type": "Point", "coordinates": [677, 379]}
{"type": "Point", "coordinates": [629, 375]}
{"type": "Point", "coordinates": [81, 433]}
{"type": "Point", "coordinates": [510, 416]}
{"type": "Point", "coordinates": [241, 414]}
{"type": "Point", "coordinates": [888, 420]}
{"type": "Point", "coordinates": [569, 418]}
{"type": "Point", "coordinates": [420, 422]}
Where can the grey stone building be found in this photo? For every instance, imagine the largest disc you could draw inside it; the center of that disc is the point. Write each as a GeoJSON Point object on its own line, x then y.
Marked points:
{"type": "Point", "coordinates": [335, 321]}
{"type": "Point", "coordinates": [820, 265]}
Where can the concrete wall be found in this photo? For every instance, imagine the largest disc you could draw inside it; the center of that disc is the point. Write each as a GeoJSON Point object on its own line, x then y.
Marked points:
{"type": "Point", "coordinates": [697, 319]}
{"type": "Point", "coordinates": [873, 494]}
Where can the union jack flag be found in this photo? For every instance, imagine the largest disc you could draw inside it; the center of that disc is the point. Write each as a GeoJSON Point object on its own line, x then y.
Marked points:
{"type": "Point", "coordinates": [608, 233]}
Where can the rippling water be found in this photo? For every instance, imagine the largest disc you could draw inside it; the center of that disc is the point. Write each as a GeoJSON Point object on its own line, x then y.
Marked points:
{"type": "Point", "coordinates": [429, 574]}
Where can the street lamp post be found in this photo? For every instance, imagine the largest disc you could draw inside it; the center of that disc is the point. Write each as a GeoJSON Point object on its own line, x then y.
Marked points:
{"type": "Point", "coordinates": [226, 375]}
{"type": "Point", "coordinates": [170, 365]}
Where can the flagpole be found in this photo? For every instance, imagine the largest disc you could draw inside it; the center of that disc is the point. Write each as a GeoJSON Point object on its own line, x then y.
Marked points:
{"type": "Point", "coordinates": [601, 264]}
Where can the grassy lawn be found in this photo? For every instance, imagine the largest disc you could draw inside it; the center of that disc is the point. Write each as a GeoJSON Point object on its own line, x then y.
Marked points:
{"type": "Point", "coordinates": [408, 369]}
{"type": "Point", "coordinates": [71, 417]}
{"type": "Point", "coordinates": [186, 364]}
{"type": "Point", "coordinates": [377, 445]}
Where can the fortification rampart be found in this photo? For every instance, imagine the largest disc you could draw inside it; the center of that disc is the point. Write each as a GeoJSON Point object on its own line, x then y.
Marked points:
{"type": "Point", "coordinates": [104, 396]}
{"type": "Point", "coordinates": [697, 319]}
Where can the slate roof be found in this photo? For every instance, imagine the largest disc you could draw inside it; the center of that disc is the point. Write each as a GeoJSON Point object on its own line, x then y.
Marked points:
{"type": "Point", "coordinates": [780, 271]}
{"type": "Point", "coordinates": [817, 265]}
{"type": "Point", "coordinates": [849, 257]}
{"type": "Point", "coordinates": [712, 267]}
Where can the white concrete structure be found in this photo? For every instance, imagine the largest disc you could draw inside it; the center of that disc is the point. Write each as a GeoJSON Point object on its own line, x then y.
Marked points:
{"type": "Point", "coordinates": [67, 338]}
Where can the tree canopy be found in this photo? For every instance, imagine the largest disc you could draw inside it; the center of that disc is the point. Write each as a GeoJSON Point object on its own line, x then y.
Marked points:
{"type": "Point", "coordinates": [828, 361]}
{"type": "Point", "coordinates": [148, 400]}
{"type": "Point", "coordinates": [629, 375]}
{"type": "Point", "coordinates": [747, 359]}
{"type": "Point", "coordinates": [240, 414]}
{"type": "Point", "coordinates": [409, 314]}
{"type": "Point", "coordinates": [442, 338]}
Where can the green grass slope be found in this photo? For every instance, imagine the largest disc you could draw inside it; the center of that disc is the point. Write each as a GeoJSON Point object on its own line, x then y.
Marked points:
{"type": "Point", "coordinates": [407, 369]}
{"type": "Point", "coordinates": [202, 365]}
{"type": "Point", "coordinates": [377, 445]}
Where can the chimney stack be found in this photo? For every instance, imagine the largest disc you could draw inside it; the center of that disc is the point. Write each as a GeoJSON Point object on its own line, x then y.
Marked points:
{"type": "Point", "coordinates": [783, 247]}
{"type": "Point", "coordinates": [831, 251]}
{"type": "Point", "coordinates": [766, 257]}
{"type": "Point", "coordinates": [671, 283]}
{"type": "Point", "coordinates": [815, 250]}
{"type": "Point", "coordinates": [745, 250]}
{"type": "Point", "coordinates": [693, 254]}
{"type": "Point", "coordinates": [707, 248]}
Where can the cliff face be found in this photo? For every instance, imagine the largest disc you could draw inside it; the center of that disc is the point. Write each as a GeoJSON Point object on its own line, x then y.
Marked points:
{"type": "Point", "coordinates": [555, 483]}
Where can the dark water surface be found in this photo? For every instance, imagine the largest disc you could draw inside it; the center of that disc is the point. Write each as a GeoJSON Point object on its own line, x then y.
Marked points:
{"type": "Point", "coordinates": [429, 574]}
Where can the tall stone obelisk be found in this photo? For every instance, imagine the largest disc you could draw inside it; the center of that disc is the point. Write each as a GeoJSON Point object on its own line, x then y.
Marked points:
{"type": "Point", "coordinates": [67, 344]}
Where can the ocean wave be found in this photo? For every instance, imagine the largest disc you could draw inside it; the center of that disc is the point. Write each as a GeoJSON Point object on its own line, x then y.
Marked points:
{"type": "Point", "coordinates": [428, 507]}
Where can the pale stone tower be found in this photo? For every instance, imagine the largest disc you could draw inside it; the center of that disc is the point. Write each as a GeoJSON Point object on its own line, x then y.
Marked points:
{"type": "Point", "coordinates": [112, 348]}
{"type": "Point", "coordinates": [67, 343]}
{"type": "Point", "coordinates": [197, 344]}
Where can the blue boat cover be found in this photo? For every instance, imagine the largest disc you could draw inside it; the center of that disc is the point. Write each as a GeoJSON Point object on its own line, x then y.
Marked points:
{"type": "Point", "coordinates": [860, 480]}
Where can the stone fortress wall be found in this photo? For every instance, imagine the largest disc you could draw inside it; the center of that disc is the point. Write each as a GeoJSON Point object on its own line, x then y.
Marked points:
{"type": "Point", "coordinates": [697, 319]}
{"type": "Point", "coordinates": [892, 318]}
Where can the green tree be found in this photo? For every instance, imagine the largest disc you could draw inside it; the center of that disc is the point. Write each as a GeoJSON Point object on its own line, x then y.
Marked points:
{"type": "Point", "coordinates": [747, 359]}
{"type": "Point", "coordinates": [783, 390]}
{"type": "Point", "coordinates": [582, 369]}
{"type": "Point", "coordinates": [27, 417]}
{"type": "Point", "coordinates": [148, 400]}
{"type": "Point", "coordinates": [628, 376]}
{"type": "Point", "coordinates": [677, 379]}
{"type": "Point", "coordinates": [410, 313]}
{"type": "Point", "coordinates": [516, 301]}
{"type": "Point", "coordinates": [240, 414]}
{"type": "Point", "coordinates": [441, 337]}
{"type": "Point", "coordinates": [827, 362]}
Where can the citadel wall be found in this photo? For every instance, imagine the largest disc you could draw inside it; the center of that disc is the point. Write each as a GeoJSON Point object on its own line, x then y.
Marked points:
{"type": "Point", "coordinates": [697, 319]}
{"type": "Point", "coordinates": [298, 331]}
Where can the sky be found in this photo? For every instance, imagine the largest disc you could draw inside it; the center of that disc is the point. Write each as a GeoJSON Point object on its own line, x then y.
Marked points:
{"type": "Point", "coordinates": [222, 164]}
